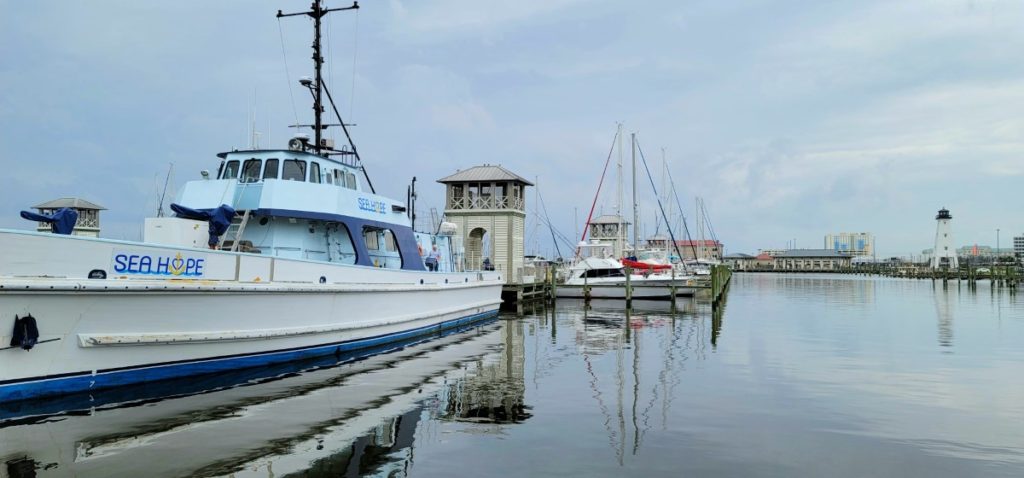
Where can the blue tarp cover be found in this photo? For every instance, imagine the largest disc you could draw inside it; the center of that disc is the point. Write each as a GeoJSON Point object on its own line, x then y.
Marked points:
{"type": "Point", "coordinates": [219, 218]}
{"type": "Point", "coordinates": [61, 221]}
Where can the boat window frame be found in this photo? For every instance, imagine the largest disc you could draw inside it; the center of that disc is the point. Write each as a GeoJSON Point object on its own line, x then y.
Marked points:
{"type": "Point", "coordinates": [350, 180]}
{"type": "Point", "coordinates": [228, 169]}
{"type": "Point", "coordinates": [266, 168]}
{"type": "Point", "coordinates": [343, 228]}
{"type": "Point", "coordinates": [243, 173]}
{"type": "Point", "coordinates": [301, 176]}
{"type": "Point", "coordinates": [314, 172]}
{"type": "Point", "coordinates": [386, 237]}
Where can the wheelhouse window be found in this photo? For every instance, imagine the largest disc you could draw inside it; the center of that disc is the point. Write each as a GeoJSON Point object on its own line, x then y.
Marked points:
{"type": "Point", "coordinates": [230, 170]}
{"type": "Point", "coordinates": [350, 180]}
{"type": "Point", "coordinates": [251, 170]}
{"type": "Point", "coordinates": [329, 176]}
{"type": "Point", "coordinates": [270, 169]}
{"type": "Point", "coordinates": [314, 172]}
{"type": "Point", "coordinates": [294, 170]}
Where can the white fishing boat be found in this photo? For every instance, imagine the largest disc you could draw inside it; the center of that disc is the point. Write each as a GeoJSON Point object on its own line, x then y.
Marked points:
{"type": "Point", "coordinates": [280, 255]}
{"type": "Point", "coordinates": [597, 274]}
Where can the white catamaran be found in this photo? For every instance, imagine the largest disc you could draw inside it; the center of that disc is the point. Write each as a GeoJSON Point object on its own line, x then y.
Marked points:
{"type": "Point", "coordinates": [281, 255]}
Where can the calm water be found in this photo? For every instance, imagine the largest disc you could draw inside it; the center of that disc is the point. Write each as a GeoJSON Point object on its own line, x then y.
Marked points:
{"type": "Point", "coordinates": [797, 376]}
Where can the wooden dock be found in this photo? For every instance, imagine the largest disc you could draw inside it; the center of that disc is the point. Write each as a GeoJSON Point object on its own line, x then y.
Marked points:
{"type": "Point", "coordinates": [1000, 276]}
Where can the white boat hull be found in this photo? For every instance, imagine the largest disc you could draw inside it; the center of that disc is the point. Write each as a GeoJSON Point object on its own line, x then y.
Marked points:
{"type": "Point", "coordinates": [613, 291]}
{"type": "Point", "coordinates": [102, 333]}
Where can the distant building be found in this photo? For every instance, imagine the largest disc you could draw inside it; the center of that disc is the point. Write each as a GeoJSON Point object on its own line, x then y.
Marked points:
{"type": "Point", "coordinates": [1018, 246]}
{"type": "Point", "coordinates": [706, 249]}
{"type": "Point", "coordinates": [811, 260]}
{"type": "Point", "coordinates": [739, 261]}
{"type": "Point", "coordinates": [610, 229]}
{"type": "Point", "coordinates": [747, 262]}
{"type": "Point", "coordinates": [88, 223]}
{"type": "Point", "coordinates": [851, 243]}
{"type": "Point", "coordinates": [982, 251]}
{"type": "Point", "coordinates": [772, 252]}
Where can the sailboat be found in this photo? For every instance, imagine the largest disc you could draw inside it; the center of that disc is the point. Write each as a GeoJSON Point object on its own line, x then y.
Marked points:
{"type": "Point", "coordinates": [280, 255]}
{"type": "Point", "coordinates": [600, 268]}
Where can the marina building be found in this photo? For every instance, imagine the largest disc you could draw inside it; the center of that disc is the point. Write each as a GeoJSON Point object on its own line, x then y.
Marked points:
{"type": "Point", "coordinates": [88, 223]}
{"type": "Point", "coordinates": [851, 243]}
{"type": "Point", "coordinates": [700, 249]}
{"type": "Point", "coordinates": [738, 261]}
{"type": "Point", "coordinates": [810, 260]}
{"type": "Point", "coordinates": [610, 229]}
{"type": "Point", "coordinates": [488, 206]}
{"type": "Point", "coordinates": [772, 252]}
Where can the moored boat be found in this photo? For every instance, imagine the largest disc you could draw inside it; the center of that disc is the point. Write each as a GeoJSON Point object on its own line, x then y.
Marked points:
{"type": "Point", "coordinates": [281, 255]}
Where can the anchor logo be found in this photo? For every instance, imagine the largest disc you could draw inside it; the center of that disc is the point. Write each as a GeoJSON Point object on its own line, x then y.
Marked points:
{"type": "Point", "coordinates": [177, 265]}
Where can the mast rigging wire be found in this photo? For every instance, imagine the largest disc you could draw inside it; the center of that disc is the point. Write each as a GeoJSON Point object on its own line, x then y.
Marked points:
{"type": "Point", "coordinates": [681, 215]}
{"type": "Point", "coordinates": [598, 193]}
{"type": "Point", "coordinates": [355, 53]}
{"type": "Point", "coordinates": [545, 208]}
{"type": "Point", "coordinates": [287, 74]}
{"type": "Point", "coordinates": [662, 208]}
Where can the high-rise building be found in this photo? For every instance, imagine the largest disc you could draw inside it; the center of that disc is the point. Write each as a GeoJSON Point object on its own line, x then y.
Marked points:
{"type": "Point", "coordinates": [851, 243]}
{"type": "Point", "coordinates": [944, 255]}
{"type": "Point", "coordinates": [1018, 245]}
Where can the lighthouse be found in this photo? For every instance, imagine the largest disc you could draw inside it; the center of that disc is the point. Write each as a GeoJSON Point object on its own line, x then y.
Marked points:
{"type": "Point", "coordinates": [944, 254]}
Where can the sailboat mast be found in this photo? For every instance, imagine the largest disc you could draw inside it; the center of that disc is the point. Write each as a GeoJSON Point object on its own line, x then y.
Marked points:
{"type": "Point", "coordinates": [620, 236]}
{"type": "Point", "coordinates": [636, 213]}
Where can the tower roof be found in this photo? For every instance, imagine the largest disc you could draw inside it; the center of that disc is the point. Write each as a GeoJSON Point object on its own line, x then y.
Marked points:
{"type": "Point", "coordinates": [943, 214]}
{"type": "Point", "coordinates": [74, 203]}
{"type": "Point", "coordinates": [610, 219]}
{"type": "Point", "coordinates": [486, 172]}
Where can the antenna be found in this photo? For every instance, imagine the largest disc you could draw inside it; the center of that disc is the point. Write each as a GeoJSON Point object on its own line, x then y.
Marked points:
{"type": "Point", "coordinates": [163, 194]}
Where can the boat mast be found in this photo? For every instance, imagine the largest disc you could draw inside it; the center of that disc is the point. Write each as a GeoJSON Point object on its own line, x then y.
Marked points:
{"type": "Point", "coordinates": [620, 235]}
{"type": "Point", "coordinates": [636, 212]}
{"type": "Point", "coordinates": [317, 12]}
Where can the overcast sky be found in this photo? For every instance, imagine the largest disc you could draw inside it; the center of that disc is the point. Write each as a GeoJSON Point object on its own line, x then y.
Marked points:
{"type": "Point", "coordinates": [791, 119]}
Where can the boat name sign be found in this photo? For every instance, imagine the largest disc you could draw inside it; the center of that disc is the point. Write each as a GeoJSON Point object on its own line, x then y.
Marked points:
{"type": "Point", "coordinates": [145, 263]}
{"type": "Point", "coordinates": [373, 205]}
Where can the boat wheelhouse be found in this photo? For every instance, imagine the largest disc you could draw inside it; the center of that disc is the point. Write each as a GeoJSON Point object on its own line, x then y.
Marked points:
{"type": "Point", "coordinates": [298, 205]}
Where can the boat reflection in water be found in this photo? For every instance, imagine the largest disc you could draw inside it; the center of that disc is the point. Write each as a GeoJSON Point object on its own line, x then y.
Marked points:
{"type": "Point", "coordinates": [353, 418]}
{"type": "Point", "coordinates": [573, 375]}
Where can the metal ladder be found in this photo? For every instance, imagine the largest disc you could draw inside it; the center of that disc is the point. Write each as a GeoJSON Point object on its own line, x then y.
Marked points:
{"type": "Point", "coordinates": [237, 228]}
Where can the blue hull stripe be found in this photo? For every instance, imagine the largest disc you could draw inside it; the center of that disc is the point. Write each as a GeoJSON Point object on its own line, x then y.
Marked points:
{"type": "Point", "coordinates": [85, 381]}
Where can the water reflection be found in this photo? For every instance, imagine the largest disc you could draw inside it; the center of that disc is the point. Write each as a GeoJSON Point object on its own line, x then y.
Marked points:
{"type": "Point", "coordinates": [944, 315]}
{"type": "Point", "coordinates": [783, 380]}
{"type": "Point", "coordinates": [347, 417]}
